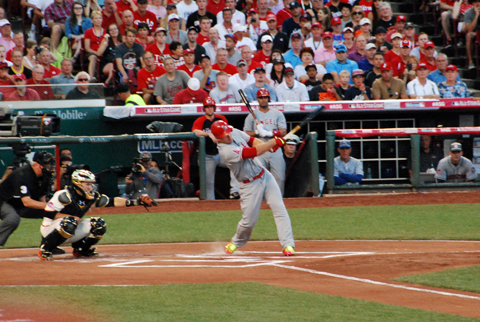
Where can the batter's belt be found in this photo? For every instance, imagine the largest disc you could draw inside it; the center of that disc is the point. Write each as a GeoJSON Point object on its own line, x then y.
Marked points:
{"type": "Point", "coordinates": [258, 176]}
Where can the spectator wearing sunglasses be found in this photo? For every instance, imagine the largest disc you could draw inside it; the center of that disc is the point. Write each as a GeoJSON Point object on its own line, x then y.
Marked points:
{"type": "Point", "coordinates": [82, 90]}
{"type": "Point", "coordinates": [387, 87]}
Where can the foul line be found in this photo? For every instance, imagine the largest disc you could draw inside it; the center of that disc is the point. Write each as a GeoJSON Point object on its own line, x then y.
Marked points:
{"type": "Point", "coordinates": [363, 280]}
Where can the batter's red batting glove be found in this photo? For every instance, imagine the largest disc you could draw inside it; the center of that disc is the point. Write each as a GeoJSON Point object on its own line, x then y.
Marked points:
{"type": "Point", "coordinates": [279, 141]}
{"type": "Point", "coordinates": [277, 133]}
{"type": "Point", "coordinates": [274, 149]}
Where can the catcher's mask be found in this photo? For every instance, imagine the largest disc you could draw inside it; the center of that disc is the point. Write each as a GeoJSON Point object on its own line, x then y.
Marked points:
{"type": "Point", "coordinates": [84, 183]}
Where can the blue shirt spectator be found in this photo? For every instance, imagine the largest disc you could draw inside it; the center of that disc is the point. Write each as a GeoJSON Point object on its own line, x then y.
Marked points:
{"type": "Point", "coordinates": [293, 55]}
{"type": "Point", "coordinates": [341, 62]}
{"type": "Point", "coordinates": [365, 65]}
{"type": "Point", "coordinates": [438, 77]}
{"type": "Point", "coordinates": [251, 90]}
{"type": "Point", "coordinates": [73, 29]}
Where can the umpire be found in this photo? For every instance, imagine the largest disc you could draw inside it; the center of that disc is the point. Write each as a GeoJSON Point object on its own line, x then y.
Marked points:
{"type": "Point", "coordinates": [22, 193]}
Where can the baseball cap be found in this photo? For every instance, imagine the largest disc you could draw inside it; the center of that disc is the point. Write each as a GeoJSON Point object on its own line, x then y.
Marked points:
{"type": "Point", "coordinates": [142, 1]}
{"type": "Point", "coordinates": [202, 56]}
{"type": "Point", "coordinates": [350, 29]}
{"type": "Point", "coordinates": [358, 33]}
{"type": "Point", "coordinates": [357, 72]}
{"type": "Point", "coordinates": [271, 17]}
{"type": "Point", "coordinates": [421, 65]}
{"type": "Point", "coordinates": [380, 30]}
{"type": "Point", "coordinates": [173, 16]}
{"type": "Point", "coordinates": [335, 21]}
{"type": "Point", "coordinates": [238, 27]}
{"type": "Point", "coordinates": [401, 18]}
{"type": "Point", "coordinates": [451, 67]}
{"type": "Point", "coordinates": [19, 76]}
{"type": "Point", "coordinates": [241, 62]}
{"type": "Point", "coordinates": [409, 25]}
{"type": "Point", "coordinates": [310, 66]}
{"type": "Point", "coordinates": [145, 154]}
{"type": "Point", "coordinates": [365, 21]}
{"type": "Point", "coordinates": [344, 144]}
{"type": "Point", "coordinates": [293, 140]}
{"type": "Point", "coordinates": [396, 35]}
{"type": "Point", "coordinates": [280, 60]}
{"type": "Point", "coordinates": [252, 11]}
{"type": "Point", "coordinates": [341, 48]}
{"type": "Point", "coordinates": [456, 147]}
{"type": "Point", "coordinates": [429, 44]}
{"type": "Point", "coordinates": [316, 24]}
{"type": "Point", "coordinates": [188, 51]}
{"type": "Point", "coordinates": [266, 38]}
{"type": "Point", "coordinates": [192, 28]}
{"type": "Point", "coordinates": [44, 158]}
{"type": "Point", "coordinates": [288, 70]}
{"type": "Point", "coordinates": [170, 6]}
{"type": "Point", "coordinates": [259, 69]}
{"type": "Point", "coordinates": [385, 66]}
{"type": "Point", "coordinates": [227, 9]}
{"type": "Point", "coordinates": [306, 16]}
{"type": "Point", "coordinates": [370, 46]}
{"type": "Point", "coordinates": [296, 34]}
{"type": "Point", "coordinates": [3, 65]}
{"type": "Point", "coordinates": [327, 34]}
{"type": "Point", "coordinates": [405, 43]}
{"type": "Point", "coordinates": [4, 22]}
{"type": "Point", "coordinates": [233, 37]}
{"type": "Point", "coordinates": [294, 5]}
{"type": "Point", "coordinates": [160, 29]}
{"type": "Point", "coordinates": [193, 84]}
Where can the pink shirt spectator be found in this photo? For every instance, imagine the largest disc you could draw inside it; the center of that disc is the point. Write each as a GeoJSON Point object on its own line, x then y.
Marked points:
{"type": "Point", "coordinates": [160, 12]}
{"type": "Point", "coordinates": [30, 95]}
{"type": "Point", "coordinates": [323, 54]}
{"type": "Point", "coordinates": [7, 43]}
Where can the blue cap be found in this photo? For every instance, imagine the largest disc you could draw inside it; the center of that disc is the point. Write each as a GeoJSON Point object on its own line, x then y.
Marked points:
{"type": "Point", "coordinates": [344, 144]}
{"type": "Point", "coordinates": [341, 48]}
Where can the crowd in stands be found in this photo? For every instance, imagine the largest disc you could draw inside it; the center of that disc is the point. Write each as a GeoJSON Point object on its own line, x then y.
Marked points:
{"type": "Point", "coordinates": [311, 50]}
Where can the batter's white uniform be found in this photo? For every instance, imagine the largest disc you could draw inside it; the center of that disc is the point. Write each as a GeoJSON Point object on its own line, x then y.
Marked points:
{"type": "Point", "coordinates": [462, 172]}
{"type": "Point", "coordinates": [274, 162]}
{"type": "Point", "coordinates": [256, 184]}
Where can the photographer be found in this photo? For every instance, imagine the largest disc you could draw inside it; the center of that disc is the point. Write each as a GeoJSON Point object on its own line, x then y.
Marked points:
{"type": "Point", "coordinates": [144, 178]}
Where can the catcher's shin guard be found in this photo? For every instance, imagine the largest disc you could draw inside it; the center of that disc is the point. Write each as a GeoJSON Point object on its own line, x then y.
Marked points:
{"type": "Point", "coordinates": [60, 234]}
{"type": "Point", "coordinates": [83, 247]}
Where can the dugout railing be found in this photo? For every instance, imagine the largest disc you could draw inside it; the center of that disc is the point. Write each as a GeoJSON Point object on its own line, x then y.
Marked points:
{"type": "Point", "coordinates": [416, 184]}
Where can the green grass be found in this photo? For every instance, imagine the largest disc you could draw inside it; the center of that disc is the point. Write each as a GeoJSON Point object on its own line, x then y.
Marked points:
{"type": "Point", "coordinates": [463, 279]}
{"type": "Point", "coordinates": [213, 302]}
{"type": "Point", "coordinates": [375, 222]}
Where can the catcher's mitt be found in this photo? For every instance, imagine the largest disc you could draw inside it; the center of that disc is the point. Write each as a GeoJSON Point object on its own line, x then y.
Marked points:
{"type": "Point", "coordinates": [146, 201]}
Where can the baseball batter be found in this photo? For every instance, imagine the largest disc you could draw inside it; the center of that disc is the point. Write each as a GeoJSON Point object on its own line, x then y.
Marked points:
{"type": "Point", "coordinates": [67, 208]}
{"type": "Point", "coordinates": [455, 168]}
{"type": "Point", "coordinates": [239, 151]}
{"type": "Point", "coordinates": [269, 120]}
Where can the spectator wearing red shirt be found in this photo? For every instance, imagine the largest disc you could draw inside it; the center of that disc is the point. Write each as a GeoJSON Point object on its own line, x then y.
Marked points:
{"type": "Point", "coordinates": [263, 56]}
{"type": "Point", "coordinates": [263, 9]}
{"type": "Point", "coordinates": [399, 63]}
{"type": "Point", "coordinates": [123, 5]}
{"type": "Point", "coordinates": [45, 92]}
{"type": "Point", "coordinates": [56, 14]}
{"type": "Point", "coordinates": [429, 58]}
{"type": "Point", "coordinates": [205, 25]}
{"type": "Point", "coordinates": [222, 63]}
{"type": "Point", "coordinates": [395, 51]}
{"type": "Point", "coordinates": [192, 94]}
{"type": "Point", "coordinates": [215, 7]}
{"type": "Point", "coordinates": [160, 48]}
{"type": "Point", "coordinates": [189, 67]}
{"type": "Point", "coordinates": [5, 80]}
{"type": "Point", "coordinates": [247, 56]}
{"type": "Point", "coordinates": [45, 59]}
{"type": "Point", "coordinates": [19, 41]}
{"type": "Point", "coordinates": [127, 22]}
{"type": "Point", "coordinates": [398, 27]}
{"type": "Point", "coordinates": [142, 15]}
{"type": "Point", "coordinates": [367, 8]}
{"type": "Point", "coordinates": [110, 14]}
{"type": "Point", "coordinates": [147, 77]}
{"type": "Point", "coordinates": [93, 39]}
{"type": "Point", "coordinates": [22, 93]}
{"type": "Point", "coordinates": [284, 14]}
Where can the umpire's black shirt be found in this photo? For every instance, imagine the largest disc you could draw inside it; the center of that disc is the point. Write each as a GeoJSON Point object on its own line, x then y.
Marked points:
{"type": "Point", "coordinates": [22, 182]}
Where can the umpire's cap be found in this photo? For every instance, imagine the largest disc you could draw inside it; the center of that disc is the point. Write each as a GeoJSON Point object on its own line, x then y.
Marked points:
{"type": "Point", "coordinates": [43, 158]}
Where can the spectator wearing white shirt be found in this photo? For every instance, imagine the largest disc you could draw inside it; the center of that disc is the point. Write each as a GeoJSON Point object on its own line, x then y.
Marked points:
{"type": "Point", "coordinates": [421, 87]}
{"type": "Point", "coordinates": [307, 55]}
{"type": "Point", "coordinates": [185, 8]}
{"type": "Point", "coordinates": [225, 92]}
{"type": "Point", "coordinates": [242, 79]}
{"type": "Point", "coordinates": [291, 90]}
{"type": "Point", "coordinates": [239, 32]}
{"type": "Point", "coordinates": [225, 27]}
{"type": "Point", "coordinates": [214, 44]}
{"type": "Point", "coordinates": [238, 17]}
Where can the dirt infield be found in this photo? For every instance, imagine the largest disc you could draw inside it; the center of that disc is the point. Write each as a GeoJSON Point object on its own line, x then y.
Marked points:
{"type": "Point", "coordinates": [354, 269]}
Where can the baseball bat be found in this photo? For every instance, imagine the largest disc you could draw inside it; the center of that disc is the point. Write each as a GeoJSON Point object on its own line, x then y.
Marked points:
{"type": "Point", "coordinates": [307, 119]}
{"type": "Point", "coordinates": [245, 100]}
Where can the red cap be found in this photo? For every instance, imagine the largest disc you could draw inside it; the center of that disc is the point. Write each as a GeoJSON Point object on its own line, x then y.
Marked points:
{"type": "Point", "coordinates": [385, 66]}
{"type": "Point", "coordinates": [422, 65]}
{"type": "Point", "coordinates": [253, 10]}
{"type": "Point", "coordinates": [327, 34]}
{"type": "Point", "coordinates": [234, 38]}
{"type": "Point", "coordinates": [3, 65]}
{"type": "Point", "coordinates": [271, 17]}
{"type": "Point", "coordinates": [429, 44]}
{"type": "Point", "coordinates": [20, 76]}
{"type": "Point", "coordinates": [452, 67]}
{"type": "Point", "coordinates": [188, 51]}
{"type": "Point", "coordinates": [401, 18]}
{"type": "Point", "coordinates": [405, 43]}
{"type": "Point", "coordinates": [358, 33]}
{"type": "Point", "coordinates": [317, 24]}
{"type": "Point", "coordinates": [335, 21]}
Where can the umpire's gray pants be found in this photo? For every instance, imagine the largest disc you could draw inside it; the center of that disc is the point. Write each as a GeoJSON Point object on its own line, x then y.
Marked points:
{"type": "Point", "coordinates": [275, 163]}
{"type": "Point", "coordinates": [10, 221]}
{"type": "Point", "coordinates": [211, 163]}
{"type": "Point", "coordinates": [251, 196]}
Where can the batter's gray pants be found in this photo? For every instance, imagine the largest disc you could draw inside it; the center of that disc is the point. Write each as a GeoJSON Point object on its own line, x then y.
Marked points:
{"type": "Point", "coordinates": [275, 163]}
{"type": "Point", "coordinates": [251, 196]}
{"type": "Point", "coordinates": [10, 221]}
{"type": "Point", "coordinates": [211, 163]}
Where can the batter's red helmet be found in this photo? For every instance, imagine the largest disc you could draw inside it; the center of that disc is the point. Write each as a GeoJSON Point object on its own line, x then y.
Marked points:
{"type": "Point", "coordinates": [220, 129]}
{"type": "Point", "coordinates": [262, 92]}
{"type": "Point", "coordinates": [209, 102]}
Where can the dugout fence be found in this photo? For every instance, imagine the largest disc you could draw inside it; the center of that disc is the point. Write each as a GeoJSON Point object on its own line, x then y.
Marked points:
{"type": "Point", "coordinates": [416, 180]}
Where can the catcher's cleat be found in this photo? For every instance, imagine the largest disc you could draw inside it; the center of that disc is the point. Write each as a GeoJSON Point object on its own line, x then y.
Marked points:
{"type": "Point", "coordinates": [289, 251]}
{"type": "Point", "coordinates": [44, 255]}
{"type": "Point", "coordinates": [58, 251]}
{"type": "Point", "coordinates": [230, 248]}
{"type": "Point", "coordinates": [91, 252]}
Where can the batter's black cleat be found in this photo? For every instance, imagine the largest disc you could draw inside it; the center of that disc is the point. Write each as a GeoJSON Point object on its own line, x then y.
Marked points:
{"type": "Point", "coordinates": [44, 255]}
{"type": "Point", "coordinates": [58, 251]}
{"type": "Point", "coordinates": [91, 252]}
{"type": "Point", "coordinates": [235, 195]}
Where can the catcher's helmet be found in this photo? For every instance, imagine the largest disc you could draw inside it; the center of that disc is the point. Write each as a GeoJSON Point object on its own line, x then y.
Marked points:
{"type": "Point", "coordinates": [209, 102]}
{"type": "Point", "coordinates": [262, 92]}
{"type": "Point", "coordinates": [83, 181]}
{"type": "Point", "coordinates": [220, 129]}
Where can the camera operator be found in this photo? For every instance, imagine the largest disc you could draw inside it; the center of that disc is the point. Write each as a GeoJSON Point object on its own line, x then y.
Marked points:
{"type": "Point", "coordinates": [22, 193]}
{"type": "Point", "coordinates": [144, 178]}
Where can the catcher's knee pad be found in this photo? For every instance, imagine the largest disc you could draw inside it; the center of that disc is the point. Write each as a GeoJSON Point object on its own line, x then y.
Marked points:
{"type": "Point", "coordinates": [98, 227]}
{"type": "Point", "coordinates": [67, 227]}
